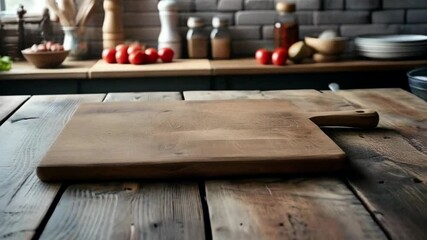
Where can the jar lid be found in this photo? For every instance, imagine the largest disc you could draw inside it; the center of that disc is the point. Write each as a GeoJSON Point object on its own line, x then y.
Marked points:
{"type": "Point", "coordinates": [285, 7]}
{"type": "Point", "coordinates": [219, 22]}
{"type": "Point", "coordinates": [167, 5]}
{"type": "Point", "coordinates": [195, 22]}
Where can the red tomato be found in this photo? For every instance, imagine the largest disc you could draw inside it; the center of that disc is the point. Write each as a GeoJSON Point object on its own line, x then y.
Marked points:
{"type": "Point", "coordinates": [122, 56]}
{"type": "Point", "coordinates": [152, 55]}
{"type": "Point", "coordinates": [122, 46]}
{"type": "Point", "coordinates": [279, 56]}
{"type": "Point", "coordinates": [263, 56]}
{"type": "Point", "coordinates": [134, 48]}
{"type": "Point", "coordinates": [138, 57]}
{"type": "Point", "coordinates": [166, 54]}
{"type": "Point", "coordinates": [109, 55]}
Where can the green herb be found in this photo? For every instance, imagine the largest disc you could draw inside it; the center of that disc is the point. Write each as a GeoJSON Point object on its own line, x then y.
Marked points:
{"type": "Point", "coordinates": [5, 63]}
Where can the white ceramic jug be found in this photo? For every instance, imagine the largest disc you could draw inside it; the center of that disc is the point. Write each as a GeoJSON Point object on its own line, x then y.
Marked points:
{"type": "Point", "coordinates": [169, 35]}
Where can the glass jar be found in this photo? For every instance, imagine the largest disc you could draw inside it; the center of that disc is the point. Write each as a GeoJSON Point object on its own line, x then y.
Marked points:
{"type": "Point", "coordinates": [285, 26]}
{"type": "Point", "coordinates": [197, 39]}
{"type": "Point", "coordinates": [220, 39]}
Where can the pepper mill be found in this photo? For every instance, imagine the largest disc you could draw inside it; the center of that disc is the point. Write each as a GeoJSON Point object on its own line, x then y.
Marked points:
{"type": "Point", "coordinates": [169, 35]}
{"type": "Point", "coordinates": [112, 28]}
{"type": "Point", "coordinates": [21, 32]}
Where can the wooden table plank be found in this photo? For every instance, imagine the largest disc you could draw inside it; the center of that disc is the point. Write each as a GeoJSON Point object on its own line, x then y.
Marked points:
{"type": "Point", "coordinates": [24, 139]}
{"type": "Point", "coordinates": [8, 104]}
{"type": "Point", "coordinates": [400, 110]}
{"type": "Point", "coordinates": [286, 208]}
{"type": "Point", "coordinates": [143, 96]}
{"type": "Point", "coordinates": [387, 171]}
{"type": "Point", "coordinates": [132, 210]}
{"type": "Point", "coordinates": [297, 208]}
{"type": "Point", "coordinates": [390, 164]}
{"type": "Point", "coordinates": [221, 95]}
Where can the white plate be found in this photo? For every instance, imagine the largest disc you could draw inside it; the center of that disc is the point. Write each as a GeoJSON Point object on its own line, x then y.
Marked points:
{"type": "Point", "coordinates": [390, 55]}
{"type": "Point", "coordinates": [419, 44]}
{"type": "Point", "coordinates": [393, 39]}
{"type": "Point", "coordinates": [377, 49]}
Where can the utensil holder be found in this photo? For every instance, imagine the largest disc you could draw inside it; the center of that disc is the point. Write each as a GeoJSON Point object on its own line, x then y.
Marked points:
{"type": "Point", "coordinates": [75, 41]}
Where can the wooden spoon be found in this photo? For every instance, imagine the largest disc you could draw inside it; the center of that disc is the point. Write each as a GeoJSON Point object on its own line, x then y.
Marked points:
{"type": "Point", "coordinates": [62, 18]}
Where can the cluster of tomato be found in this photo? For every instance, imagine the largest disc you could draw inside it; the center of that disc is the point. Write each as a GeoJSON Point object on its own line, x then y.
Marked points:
{"type": "Point", "coordinates": [135, 54]}
{"type": "Point", "coordinates": [277, 57]}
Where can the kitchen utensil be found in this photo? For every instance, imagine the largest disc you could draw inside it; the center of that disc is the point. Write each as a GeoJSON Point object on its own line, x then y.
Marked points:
{"type": "Point", "coordinates": [84, 14]}
{"type": "Point", "coordinates": [128, 140]}
{"type": "Point", "coordinates": [62, 17]}
{"type": "Point", "coordinates": [69, 10]}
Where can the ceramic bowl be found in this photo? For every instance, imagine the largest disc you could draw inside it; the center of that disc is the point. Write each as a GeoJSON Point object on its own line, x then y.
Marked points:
{"type": "Point", "coordinates": [333, 46]}
{"type": "Point", "coordinates": [50, 59]}
{"type": "Point", "coordinates": [417, 80]}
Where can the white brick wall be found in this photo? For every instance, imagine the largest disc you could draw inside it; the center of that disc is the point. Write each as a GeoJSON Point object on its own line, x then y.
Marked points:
{"type": "Point", "coordinates": [252, 20]}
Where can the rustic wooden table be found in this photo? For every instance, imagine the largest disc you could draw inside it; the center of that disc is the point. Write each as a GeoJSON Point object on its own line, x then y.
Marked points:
{"type": "Point", "coordinates": [382, 195]}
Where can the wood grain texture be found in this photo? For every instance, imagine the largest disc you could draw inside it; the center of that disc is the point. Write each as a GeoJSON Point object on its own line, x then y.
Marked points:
{"type": "Point", "coordinates": [179, 67]}
{"type": "Point", "coordinates": [387, 169]}
{"type": "Point", "coordinates": [129, 210]}
{"type": "Point", "coordinates": [143, 96]}
{"type": "Point", "coordinates": [24, 139]}
{"type": "Point", "coordinates": [390, 164]}
{"type": "Point", "coordinates": [287, 208]}
{"type": "Point", "coordinates": [190, 139]}
{"type": "Point", "coordinates": [221, 95]}
{"type": "Point", "coordinates": [297, 208]}
{"type": "Point", "coordinates": [8, 104]}
{"type": "Point", "coordinates": [68, 70]}
{"type": "Point", "coordinates": [400, 111]}
{"type": "Point", "coordinates": [250, 66]}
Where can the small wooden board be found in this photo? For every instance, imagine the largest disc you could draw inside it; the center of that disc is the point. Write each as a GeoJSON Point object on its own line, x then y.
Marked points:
{"type": "Point", "coordinates": [188, 139]}
{"type": "Point", "coordinates": [177, 68]}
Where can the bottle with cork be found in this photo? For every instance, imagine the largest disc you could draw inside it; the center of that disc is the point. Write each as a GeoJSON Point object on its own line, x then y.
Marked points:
{"type": "Point", "coordinates": [286, 25]}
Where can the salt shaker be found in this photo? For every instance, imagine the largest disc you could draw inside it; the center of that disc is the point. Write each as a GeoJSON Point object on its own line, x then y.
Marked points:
{"type": "Point", "coordinates": [169, 35]}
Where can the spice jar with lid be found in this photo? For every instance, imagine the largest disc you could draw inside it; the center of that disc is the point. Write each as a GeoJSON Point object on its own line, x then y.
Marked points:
{"type": "Point", "coordinates": [220, 39]}
{"type": "Point", "coordinates": [286, 25]}
{"type": "Point", "coordinates": [197, 39]}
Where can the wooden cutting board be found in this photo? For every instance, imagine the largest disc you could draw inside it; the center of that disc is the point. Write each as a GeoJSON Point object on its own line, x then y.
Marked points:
{"type": "Point", "coordinates": [135, 140]}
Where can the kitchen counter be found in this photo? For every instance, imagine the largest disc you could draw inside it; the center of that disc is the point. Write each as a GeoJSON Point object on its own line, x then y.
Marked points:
{"type": "Point", "coordinates": [202, 74]}
{"type": "Point", "coordinates": [381, 195]}
{"type": "Point", "coordinates": [250, 66]}
{"type": "Point", "coordinates": [68, 70]}
{"type": "Point", "coordinates": [195, 67]}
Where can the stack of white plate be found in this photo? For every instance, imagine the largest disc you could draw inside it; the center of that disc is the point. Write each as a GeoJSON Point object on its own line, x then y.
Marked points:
{"type": "Point", "coordinates": [392, 46]}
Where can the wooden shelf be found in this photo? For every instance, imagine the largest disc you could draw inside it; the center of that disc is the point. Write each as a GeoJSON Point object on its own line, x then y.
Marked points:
{"type": "Point", "coordinates": [180, 67]}
{"type": "Point", "coordinates": [250, 66]}
{"type": "Point", "coordinates": [68, 70]}
{"type": "Point", "coordinates": [195, 67]}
